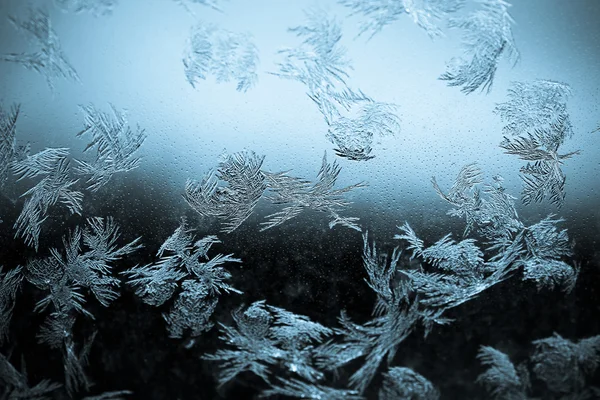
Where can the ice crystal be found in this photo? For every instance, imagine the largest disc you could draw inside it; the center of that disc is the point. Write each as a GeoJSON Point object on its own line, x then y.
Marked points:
{"type": "Point", "coordinates": [563, 365]}
{"type": "Point", "coordinates": [55, 186]}
{"type": "Point", "coordinates": [10, 282]}
{"type": "Point", "coordinates": [487, 38]}
{"type": "Point", "coordinates": [305, 390]}
{"type": "Point", "coordinates": [214, 4]}
{"type": "Point", "coordinates": [115, 395]}
{"type": "Point", "coordinates": [298, 194]}
{"type": "Point", "coordinates": [234, 202]}
{"type": "Point", "coordinates": [96, 7]}
{"type": "Point", "coordinates": [8, 141]}
{"type": "Point", "coordinates": [115, 142]}
{"type": "Point", "coordinates": [199, 283]}
{"type": "Point", "coordinates": [49, 60]}
{"type": "Point", "coordinates": [540, 248]}
{"type": "Point", "coordinates": [395, 317]}
{"type": "Point", "coordinates": [321, 64]}
{"type": "Point", "coordinates": [63, 275]}
{"type": "Point", "coordinates": [16, 384]}
{"type": "Point", "coordinates": [226, 55]}
{"type": "Point", "coordinates": [354, 136]}
{"type": "Point", "coordinates": [380, 13]}
{"type": "Point", "coordinates": [537, 114]}
{"type": "Point", "coordinates": [264, 337]}
{"type": "Point", "coordinates": [404, 383]}
{"type": "Point", "coordinates": [501, 379]}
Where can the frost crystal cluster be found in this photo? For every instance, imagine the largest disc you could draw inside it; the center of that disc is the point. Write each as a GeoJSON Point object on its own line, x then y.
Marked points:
{"type": "Point", "coordinates": [487, 38]}
{"type": "Point", "coordinates": [537, 124]}
{"type": "Point", "coordinates": [227, 56]}
{"type": "Point", "coordinates": [425, 13]}
{"type": "Point", "coordinates": [49, 60]}
{"type": "Point", "coordinates": [321, 64]}
{"type": "Point", "coordinates": [188, 271]}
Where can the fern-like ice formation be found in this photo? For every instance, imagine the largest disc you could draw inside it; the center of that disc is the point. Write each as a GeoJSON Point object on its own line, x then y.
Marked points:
{"type": "Point", "coordinates": [198, 283]}
{"type": "Point", "coordinates": [487, 38]}
{"type": "Point", "coordinates": [321, 64]}
{"type": "Point", "coordinates": [16, 385]}
{"type": "Point", "coordinates": [298, 194]}
{"type": "Point", "coordinates": [8, 140]}
{"type": "Point", "coordinates": [55, 186]}
{"type": "Point", "coordinates": [563, 364]}
{"type": "Point", "coordinates": [96, 7]}
{"type": "Point", "coordinates": [540, 249]}
{"type": "Point", "coordinates": [115, 142]}
{"type": "Point", "coordinates": [404, 383]}
{"type": "Point", "coordinates": [10, 282]}
{"type": "Point", "coordinates": [49, 60]}
{"type": "Point", "coordinates": [537, 124]}
{"type": "Point", "coordinates": [65, 277]}
{"type": "Point", "coordinates": [245, 183]}
{"type": "Point", "coordinates": [501, 379]}
{"type": "Point", "coordinates": [265, 337]}
{"type": "Point", "coordinates": [395, 317]}
{"type": "Point", "coordinates": [226, 55]}
{"type": "Point", "coordinates": [427, 14]}
{"type": "Point", "coordinates": [214, 4]}
{"type": "Point", "coordinates": [233, 202]}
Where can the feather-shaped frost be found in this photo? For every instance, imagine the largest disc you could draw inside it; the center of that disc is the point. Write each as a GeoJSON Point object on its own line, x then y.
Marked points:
{"type": "Point", "coordinates": [96, 7]}
{"type": "Point", "coordinates": [487, 38]}
{"type": "Point", "coordinates": [226, 55]}
{"type": "Point", "coordinates": [182, 270]}
{"type": "Point", "coordinates": [54, 187]}
{"type": "Point", "coordinates": [296, 388]}
{"type": "Point", "coordinates": [427, 14]}
{"type": "Point", "coordinates": [299, 194]}
{"type": "Point", "coordinates": [8, 141]}
{"type": "Point", "coordinates": [10, 282]}
{"type": "Point", "coordinates": [266, 336]}
{"type": "Point", "coordinates": [115, 142]}
{"type": "Point", "coordinates": [501, 378]}
{"type": "Point", "coordinates": [16, 386]}
{"type": "Point", "coordinates": [49, 60]}
{"type": "Point", "coordinates": [405, 384]}
{"type": "Point", "coordinates": [563, 364]}
{"type": "Point", "coordinates": [233, 202]}
{"type": "Point", "coordinates": [379, 338]}
{"type": "Point", "coordinates": [536, 113]}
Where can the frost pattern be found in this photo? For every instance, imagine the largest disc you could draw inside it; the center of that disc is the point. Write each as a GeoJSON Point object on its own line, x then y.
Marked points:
{"type": "Point", "coordinates": [487, 38]}
{"type": "Point", "coordinates": [233, 202]}
{"type": "Point", "coordinates": [49, 60]}
{"type": "Point", "coordinates": [395, 317]}
{"type": "Point", "coordinates": [245, 183]}
{"type": "Point", "coordinates": [427, 14]}
{"type": "Point", "coordinates": [115, 142]}
{"type": "Point", "coordinates": [563, 365]}
{"type": "Point", "coordinates": [536, 113]}
{"type": "Point", "coordinates": [55, 186]}
{"type": "Point", "coordinates": [298, 194]}
{"type": "Point", "coordinates": [96, 7]}
{"type": "Point", "coordinates": [10, 282]}
{"type": "Point", "coordinates": [64, 276]}
{"type": "Point", "coordinates": [321, 64]}
{"type": "Point", "coordinates": [226, 55]}
{"type": "Point", "coordinates": [404, 383]}
{"type": "Point", "coordinates": [198, 283]}
{"type": "Point", "coordinates": [16, 384]}
{"type": "Point", "coordinates": [501, 379]}
{"type": "Point", "coordinates": [540, 249]}
{"type": "Point", "coordinates": [8, 141]}
{"type": "Point", "coordinates": [214, 4]}
{"type": "Point", "coordinates": [264, 337]}
{"type": "Point", "coordinates": [303, 390]}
